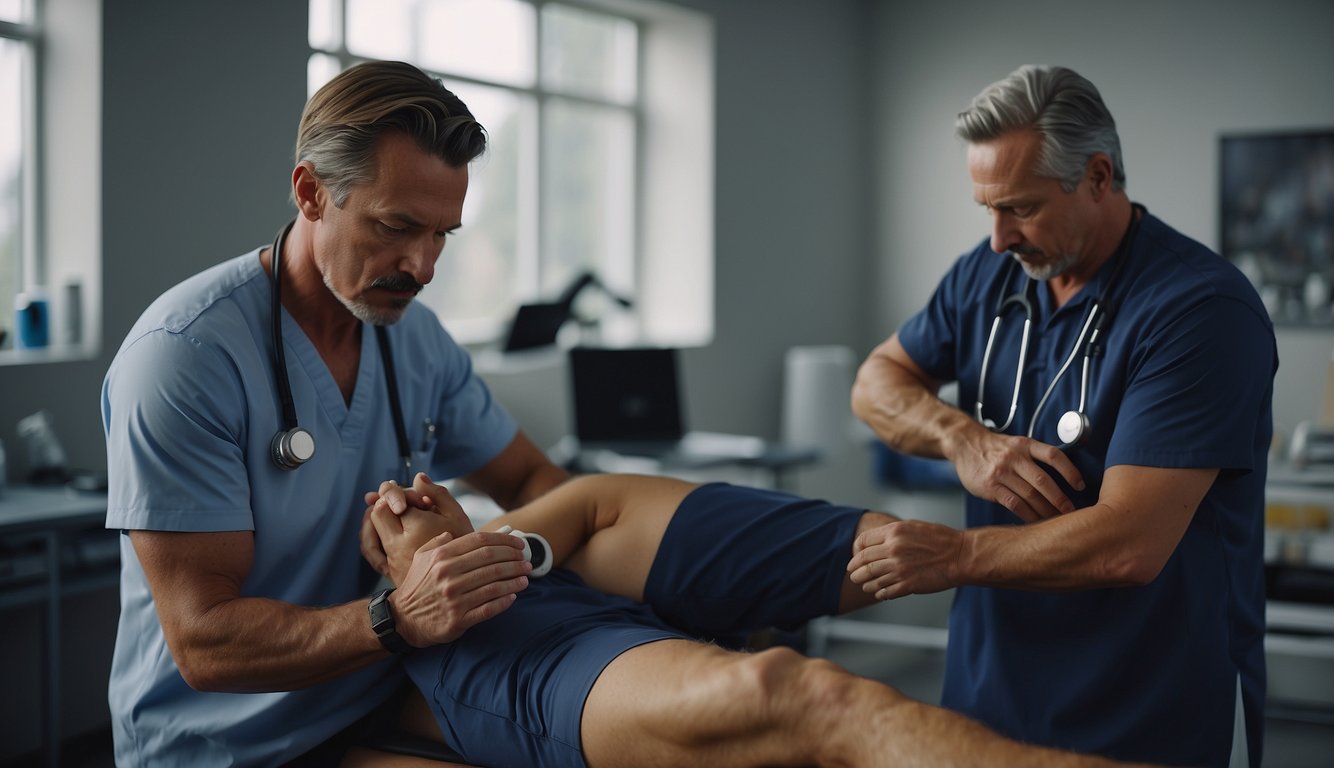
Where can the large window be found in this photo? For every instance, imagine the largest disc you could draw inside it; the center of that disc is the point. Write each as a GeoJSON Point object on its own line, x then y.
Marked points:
{"type": "Point", "coordinates": [50, 160]}
{"type": "Point", "coordinates": [17, 158]}
{"type": "Point", "coordinates": [589, 126]}
{"type": "Point", "coordinates": [557, 87]}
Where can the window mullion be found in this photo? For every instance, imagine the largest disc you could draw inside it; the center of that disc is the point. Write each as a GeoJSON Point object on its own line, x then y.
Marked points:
{"type": "Point", "coordinates": [543, 104]}
{"type": "Point", "coordinates": [637, 267]}
{"type": "Point", "coordinates": [538, 255]}
{"type": "Point", "coordinates": [36, 271]}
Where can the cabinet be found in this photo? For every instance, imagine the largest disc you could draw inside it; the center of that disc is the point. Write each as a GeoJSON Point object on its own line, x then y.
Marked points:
{"type": "Point", "coordinates": [53, 546]}
{"type": "Point", "coordinates": [1299, 571]}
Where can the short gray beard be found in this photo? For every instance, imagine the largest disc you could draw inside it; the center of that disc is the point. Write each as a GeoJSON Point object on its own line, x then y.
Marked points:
{"type": "Point", "coordinates": [365, 312]}
{"type": "Point", "coordinates": [1047, 271]}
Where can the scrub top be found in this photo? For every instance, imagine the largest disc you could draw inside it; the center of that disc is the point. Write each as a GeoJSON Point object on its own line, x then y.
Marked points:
{"type": "Point", "coordinates": [189, 406]}
{"type": "Point", "coordinates": [1184, 378]}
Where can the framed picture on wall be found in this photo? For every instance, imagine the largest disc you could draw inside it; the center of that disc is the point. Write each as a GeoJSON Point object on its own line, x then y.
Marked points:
{"type": "Point", "coordinates": [1276, 219]}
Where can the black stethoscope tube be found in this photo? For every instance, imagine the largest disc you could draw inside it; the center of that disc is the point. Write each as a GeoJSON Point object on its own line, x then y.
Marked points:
{"type": "Point", "coordinates": [293, 446]}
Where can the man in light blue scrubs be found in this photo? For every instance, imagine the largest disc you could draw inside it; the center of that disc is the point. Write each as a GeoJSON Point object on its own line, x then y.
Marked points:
{"type": "Point", "coordinates": [1117, 379]}
{"type": "Point", "coordinates": [247, 632]}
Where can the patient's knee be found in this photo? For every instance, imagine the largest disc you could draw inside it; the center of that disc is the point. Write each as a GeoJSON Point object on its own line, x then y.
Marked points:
{"type": "Point", "coordinates": [781, 678]}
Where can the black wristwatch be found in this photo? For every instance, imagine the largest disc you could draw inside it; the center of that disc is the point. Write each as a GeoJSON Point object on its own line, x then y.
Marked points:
{"type": "Point", "coordinates": [382, 623]}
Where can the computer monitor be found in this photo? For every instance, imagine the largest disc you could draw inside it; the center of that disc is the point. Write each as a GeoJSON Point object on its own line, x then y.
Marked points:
{"type": "Point", "coordinates": [625, 395]}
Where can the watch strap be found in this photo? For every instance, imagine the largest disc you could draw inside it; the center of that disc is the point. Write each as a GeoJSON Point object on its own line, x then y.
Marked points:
{"type": "Point", "coordinates": [382, 623]}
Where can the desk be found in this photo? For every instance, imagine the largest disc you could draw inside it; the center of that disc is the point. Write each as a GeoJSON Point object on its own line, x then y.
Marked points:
{"type": "Point", "coordinates": [693, 452]}
{"type": "Point", "coordinates": [53, 545]}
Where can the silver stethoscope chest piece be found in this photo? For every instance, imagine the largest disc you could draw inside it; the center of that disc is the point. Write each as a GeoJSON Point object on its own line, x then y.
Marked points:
{"type": "Point", "coordinates": [292, 447]}
{"type": "Point", "coordinates": [1072, 427]}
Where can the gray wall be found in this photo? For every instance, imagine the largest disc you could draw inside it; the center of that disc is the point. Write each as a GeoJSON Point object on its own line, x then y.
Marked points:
{"type": "Point", "coordinates": [793, 200]}
{"type": "Point", "coordinates": [1175, 75]}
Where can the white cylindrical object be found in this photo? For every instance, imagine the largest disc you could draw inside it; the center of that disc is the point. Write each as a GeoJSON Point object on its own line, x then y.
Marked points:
{"type": "Point", "coordinates": [536, 550]}
{"type": "Point", "coordinates": [817, 385]}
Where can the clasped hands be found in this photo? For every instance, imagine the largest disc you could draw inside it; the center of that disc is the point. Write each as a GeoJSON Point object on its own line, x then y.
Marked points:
{"type": "Point", "coordinates": [449, 577]}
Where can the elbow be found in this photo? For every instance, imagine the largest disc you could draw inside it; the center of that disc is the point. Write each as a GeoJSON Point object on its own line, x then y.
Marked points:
{"type": "Point", "coordinates": [859, 399]}
{"type": "Point", "coordinates": [864, 401]}
{"type": "Point", "coordinates": [196, 666]}
{"type": "Point", "coordinates": [1131, 569]}
{"type": "Point", "coordinates": [201, 677]}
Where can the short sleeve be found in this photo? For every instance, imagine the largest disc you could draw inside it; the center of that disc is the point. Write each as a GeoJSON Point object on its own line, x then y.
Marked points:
{"type": "Point", "coordinates": [931, 337]}
{"type": "Point", "coordinates": [1198, 391]}
{"type": "Point", "coordinates": [173, 410]}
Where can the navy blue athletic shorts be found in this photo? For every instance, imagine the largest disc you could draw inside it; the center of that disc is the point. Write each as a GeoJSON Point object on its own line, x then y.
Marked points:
{"type": "Point", "coordinates": [511, 690]}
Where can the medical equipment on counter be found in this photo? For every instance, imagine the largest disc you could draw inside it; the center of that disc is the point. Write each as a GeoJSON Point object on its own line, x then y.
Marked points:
{"type": "Point", "coordinates": [536, 550]}
{"type": "Point", "coordinates": [47, 464]}
{"type": "Point", "coordinates": [1311, 444]}
{"type": "Point", "coordinates": [1073, 425]}
{"type": "Point", "coordinates": [537, 324]}
{"type": "Point", "coordinates": [293, 446]}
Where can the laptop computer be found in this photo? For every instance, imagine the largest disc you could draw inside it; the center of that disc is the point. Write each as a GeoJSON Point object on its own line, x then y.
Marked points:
{"type": "Point", "coordinates": [536, 325]}
{"type": "Point", "coordinates": [628, 401]}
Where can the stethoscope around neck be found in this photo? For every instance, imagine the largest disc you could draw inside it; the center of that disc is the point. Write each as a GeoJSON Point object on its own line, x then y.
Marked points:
{"type": "Point", "coordinates": [293, 445]}
{"type": "Point", "coordinates": [1073, 427]}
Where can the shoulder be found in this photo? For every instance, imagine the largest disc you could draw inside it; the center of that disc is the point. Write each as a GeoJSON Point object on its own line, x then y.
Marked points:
{"type": "Point", "coordinates": [1177, 276]}
{"type": "Point", "coordinates": [212, 303]}
{"type": "Point", "coordinates": [201, 325]}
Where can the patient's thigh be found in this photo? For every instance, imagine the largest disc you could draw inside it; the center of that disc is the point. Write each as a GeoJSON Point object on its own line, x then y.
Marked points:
{"type": "Point", "coordinates": [680, 702]}
{"type": "Point", "coordinates": [634, 512]}
{"type": "Point", "coordinates": [650, 691]}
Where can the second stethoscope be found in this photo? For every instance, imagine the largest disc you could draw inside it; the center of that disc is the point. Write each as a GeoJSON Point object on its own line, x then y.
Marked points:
{"type": "Point", "coordinates": [1073, 426]}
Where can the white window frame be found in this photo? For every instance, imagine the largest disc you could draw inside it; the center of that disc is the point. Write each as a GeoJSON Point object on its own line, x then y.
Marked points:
{"type": "Point", "coordinates": [28, 270]}
{"type": "Point", "coordinates": [672, 263]}
{"type": "Point", "coordinates": [63, 172]}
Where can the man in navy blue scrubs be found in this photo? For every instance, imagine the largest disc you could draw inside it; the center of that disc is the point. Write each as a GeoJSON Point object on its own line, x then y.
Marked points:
{"type": "Point", "coordinates": [1113, 437]}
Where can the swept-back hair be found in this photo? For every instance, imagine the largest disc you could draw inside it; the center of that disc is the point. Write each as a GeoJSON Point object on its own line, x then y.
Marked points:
{"type": "Point", "coordinates": [1062, 106]}
{"type": "Point", "coordinates": [345, 117]}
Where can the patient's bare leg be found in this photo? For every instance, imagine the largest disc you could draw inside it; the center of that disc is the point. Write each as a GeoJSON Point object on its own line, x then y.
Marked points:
{"type": "Point", "coordinates": [679, 703]}
{"type": "Point", "coordinates": [608, 528]}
